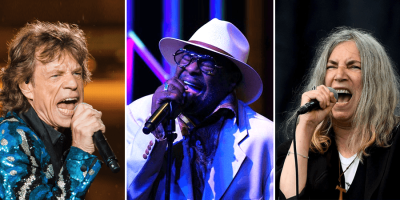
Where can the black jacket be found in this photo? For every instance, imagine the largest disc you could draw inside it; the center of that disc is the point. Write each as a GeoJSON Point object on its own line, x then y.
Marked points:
{"type": "Point", "coordinates": [376, 177]}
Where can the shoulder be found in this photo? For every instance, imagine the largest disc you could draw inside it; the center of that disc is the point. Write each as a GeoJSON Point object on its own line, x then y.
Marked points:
{"type": "Point", "coordinates": [141, 103]}
{"type": "Point", "coordinates": [260, 133]}
{"type": "Point", "coordinates": [255, 122]}
{"type": "Point", "coordinates": [15, 132]}
{"type": "Point", "coordinates": [140, 107]}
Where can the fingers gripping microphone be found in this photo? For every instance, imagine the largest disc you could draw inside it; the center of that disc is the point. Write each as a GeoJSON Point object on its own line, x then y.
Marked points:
{"type": "Point", "coordinates": [314, 104]}
{"type": "Point", "coordinates": [105, 151]}
{"type": "Point", "coordinates": [160, 114]}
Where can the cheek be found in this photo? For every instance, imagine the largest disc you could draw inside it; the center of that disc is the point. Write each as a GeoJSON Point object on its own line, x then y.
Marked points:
{"type": "Point", "coordinates": [328, 79]}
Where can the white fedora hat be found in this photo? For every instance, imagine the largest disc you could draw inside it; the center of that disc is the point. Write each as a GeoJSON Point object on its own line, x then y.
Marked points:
{"type": "Point", "coordinates": [223, 38]}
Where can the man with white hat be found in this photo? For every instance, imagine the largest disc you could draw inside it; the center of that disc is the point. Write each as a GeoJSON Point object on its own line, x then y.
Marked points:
{"type": "Point", "coordinates": [224, 150]}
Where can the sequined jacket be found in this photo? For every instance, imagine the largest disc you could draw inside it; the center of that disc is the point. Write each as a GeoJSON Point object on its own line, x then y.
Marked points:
{"type": "Point", "coordinates": [26, 171]}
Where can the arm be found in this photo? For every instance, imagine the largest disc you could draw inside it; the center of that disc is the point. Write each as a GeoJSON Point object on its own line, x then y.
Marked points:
{"type": "Point", "coordinates": [288, 176]}
{"type": "Point", "coordinates": [145, 160]}
{"type": "Point", "coordinates": [304, 131]}
{"type": "Point", "coordinates": [139, 182]}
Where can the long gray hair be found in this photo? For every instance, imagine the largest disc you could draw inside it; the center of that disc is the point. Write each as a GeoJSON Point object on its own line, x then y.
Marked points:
{"type": "Point", "coordinates": [374, 117]}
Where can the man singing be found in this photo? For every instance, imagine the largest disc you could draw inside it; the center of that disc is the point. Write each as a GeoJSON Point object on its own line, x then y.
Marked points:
{"type": "Point", "coordinates": [46, 129]}
{"type": "Point", "coordinates": [224, 150]}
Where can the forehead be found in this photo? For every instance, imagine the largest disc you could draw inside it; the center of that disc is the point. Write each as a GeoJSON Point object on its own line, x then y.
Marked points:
{"type": "Point", "coordinates": [347, 49]}
{"type": "Point", "coordinates": [61, 61]}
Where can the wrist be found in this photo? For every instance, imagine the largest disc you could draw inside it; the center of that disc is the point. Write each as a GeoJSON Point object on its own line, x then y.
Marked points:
{"type": "Point", "coordinates": [159, 133]}
{"type": "Point", "coordinates": [86, 149]}
{"type": "Point", "coordinates": [304, 135]}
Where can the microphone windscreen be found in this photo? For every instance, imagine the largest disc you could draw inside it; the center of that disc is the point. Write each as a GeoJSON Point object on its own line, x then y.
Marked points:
{"type": "Point", "coordinates": [334, 93]}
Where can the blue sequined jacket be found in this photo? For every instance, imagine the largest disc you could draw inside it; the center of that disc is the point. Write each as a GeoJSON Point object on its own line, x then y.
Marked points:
{"type": "Point", "coordinates": [26, 170]}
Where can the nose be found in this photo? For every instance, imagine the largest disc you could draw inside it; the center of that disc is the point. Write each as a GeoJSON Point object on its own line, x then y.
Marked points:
{"type": "Point", "coordinates": [70, 82]}
{"type": "Point", "coordinates": [340, 74]}
{"type": "Point", "coordinates": [193, 68]}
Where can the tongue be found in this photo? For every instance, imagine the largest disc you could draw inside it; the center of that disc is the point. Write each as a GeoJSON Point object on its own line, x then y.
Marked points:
{"type": "Point", "coordinates": [344, 98]}
{"type": "Point", "coordinates": [69, 106]}
{"type": "Point", "coordinates": [193, 89]}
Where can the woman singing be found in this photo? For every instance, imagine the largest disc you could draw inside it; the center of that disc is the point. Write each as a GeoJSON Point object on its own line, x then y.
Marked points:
{"type": "Point", "coordinates": [347, 148]}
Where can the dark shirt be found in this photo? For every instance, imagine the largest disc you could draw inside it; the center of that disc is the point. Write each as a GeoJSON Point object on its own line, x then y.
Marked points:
{"type": "Point", "coordinates": [57, 144]}
{"type": "Point", "coordinates": [373, 180]}
{"type": "Point", "coordinates": [203, 139]}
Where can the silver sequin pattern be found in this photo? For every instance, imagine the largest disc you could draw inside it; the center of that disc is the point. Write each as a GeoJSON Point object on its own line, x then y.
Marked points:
{"type": "Point", "coordinates": [49, 172]}
{"type": "Point", "coordinates": [10, 158]}
{"type": "Point", "coordinates": [24, 143]}
{"type": "Point", "coordinates": [61, 184]}
{"type": "Point", "coordinates": [13, 172]}
{"type": "Point", "coordinates": [10, 120]}
{"type": "Point", "coordinates": [28, 182]}
{"type": "Point", "coordinates": [4, 142]}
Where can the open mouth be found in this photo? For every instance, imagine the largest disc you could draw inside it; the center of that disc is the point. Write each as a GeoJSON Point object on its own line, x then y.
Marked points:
{"type": "Point", "coordinates": [195, 87]}
{"type": "Point", "coordinates": [67, 106]}
{"type": "Point", "coordinates": [344, 96]}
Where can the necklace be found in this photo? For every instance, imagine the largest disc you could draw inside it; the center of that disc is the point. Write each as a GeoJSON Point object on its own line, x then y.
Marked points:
{"type": "Point", "coordinates": [339, 187]}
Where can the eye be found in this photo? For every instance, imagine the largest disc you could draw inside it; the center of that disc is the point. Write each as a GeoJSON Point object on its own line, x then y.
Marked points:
{"type": "Point", "coordinates": [207, 65]}
{"type": "Point", "coordinates": [355, 67]}
{"type": "Point", "coordinates": [330, 67]}
{"type": "Point", "coordinates": [185, 59]}
{"type": "Point", "coordinates": [54, 75]}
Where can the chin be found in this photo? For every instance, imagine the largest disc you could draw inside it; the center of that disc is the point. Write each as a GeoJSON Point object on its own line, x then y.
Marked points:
{"type": "Point", "coordinates": [63, 122]}
{"type": "Point", "coordinates": [342, 117]}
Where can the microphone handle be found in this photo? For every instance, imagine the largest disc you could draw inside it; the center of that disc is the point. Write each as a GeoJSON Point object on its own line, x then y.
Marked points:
{"type": "Point", "coordinates": [105, 151]}
{"type": "Point", "coordinates": [157, 117]}
{"type": "Point", "coordinates": [313, 104]}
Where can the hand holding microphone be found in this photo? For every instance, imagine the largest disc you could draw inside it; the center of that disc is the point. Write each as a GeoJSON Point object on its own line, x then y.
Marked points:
{"type": "Point", "coordinates": [172, 94]}
{"type": "Point", "coordinates": [316, 104]}
{"type": "Point", "coordinates": [87, 131]}
{"type": "Point", "coordinates": [84, 123]}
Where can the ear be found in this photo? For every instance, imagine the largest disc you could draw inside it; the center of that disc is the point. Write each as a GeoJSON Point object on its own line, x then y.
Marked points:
{"type": "Point", "coordinates": [234, 80]}
{"type": "Point", "coordinates": [27, 89]}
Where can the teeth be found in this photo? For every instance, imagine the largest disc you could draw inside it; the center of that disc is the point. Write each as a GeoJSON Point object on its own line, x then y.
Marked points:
{"type": "Point", "coordinates": [69, 99]}
{"type": "Point", "coordinates": [343, 91]}
{"type": "Point", "coordinates": [188, 83]}
{"type": "Point", "coordinates": [66, 111]}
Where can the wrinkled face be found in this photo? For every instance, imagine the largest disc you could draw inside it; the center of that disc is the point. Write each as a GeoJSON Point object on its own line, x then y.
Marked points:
{"type": "Point", "coordinates": [57, 90]}
{"type": "Point", "coordinates": [343, 73]}
{"type": "Point", "coordinates": [207, 90]}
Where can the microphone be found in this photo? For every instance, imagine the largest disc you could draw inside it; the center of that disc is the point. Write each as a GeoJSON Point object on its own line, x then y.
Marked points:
{"type": "Point", "coordinates": [160, 114]}
{"type": "Point", "coordinates": [105, 151]}
{"type": "Point", "coordinates": [314, 104]}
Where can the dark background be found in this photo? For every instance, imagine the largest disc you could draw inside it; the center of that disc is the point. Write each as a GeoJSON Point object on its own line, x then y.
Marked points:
{"type": "Point", "coordinates": [254, 18]}
{"type": "Point", "coordinates": [103, 22]}
{"type": "Point", "coordinates": [300, 25]}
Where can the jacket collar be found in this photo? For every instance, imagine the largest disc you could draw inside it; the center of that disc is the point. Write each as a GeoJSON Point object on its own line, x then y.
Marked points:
{"type": "Point", "coordinates": [223, 169]}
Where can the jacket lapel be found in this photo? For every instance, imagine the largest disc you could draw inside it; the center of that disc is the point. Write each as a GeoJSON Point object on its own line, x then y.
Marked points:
{"type": "Point", "coordinates": [228, 157]}
{"type": "Point", "coordinates": [184, 171]}
{"type": "Point", "coordinates": [376, 165]}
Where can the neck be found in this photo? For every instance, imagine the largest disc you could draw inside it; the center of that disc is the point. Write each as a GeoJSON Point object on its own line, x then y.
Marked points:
{"type": "Point", "coordinates": [342, 135]}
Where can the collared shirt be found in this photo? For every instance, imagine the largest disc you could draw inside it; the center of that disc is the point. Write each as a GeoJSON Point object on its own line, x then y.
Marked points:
{"type": "Point", "coordinates": [57, 144]}
{"type": "Point", "coordinates": [203, 139]}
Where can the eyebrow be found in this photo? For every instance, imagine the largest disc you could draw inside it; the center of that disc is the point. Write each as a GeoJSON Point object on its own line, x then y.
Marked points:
{"type": "Point", "coordinates": [352, 62]}
{"type": "Point", "coordinates": [348, 62]}
{"type": "Point", "coordinates": [332, 62]}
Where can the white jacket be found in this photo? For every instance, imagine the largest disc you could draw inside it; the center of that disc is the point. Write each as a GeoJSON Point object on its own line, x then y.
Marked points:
{"type": "Point", "coordinates": [242, 167]}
